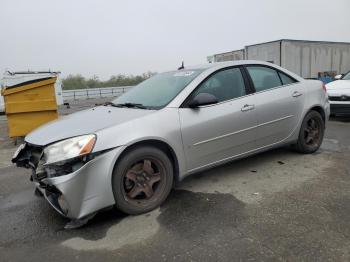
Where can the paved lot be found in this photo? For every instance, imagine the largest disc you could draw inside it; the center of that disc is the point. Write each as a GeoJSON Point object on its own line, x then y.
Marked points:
{"type": "Point", "coordinates": [277, 206]}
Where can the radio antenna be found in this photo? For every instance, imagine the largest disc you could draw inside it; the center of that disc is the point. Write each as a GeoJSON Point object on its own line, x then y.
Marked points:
{"type": "Point", "coordinates": [182, 66]}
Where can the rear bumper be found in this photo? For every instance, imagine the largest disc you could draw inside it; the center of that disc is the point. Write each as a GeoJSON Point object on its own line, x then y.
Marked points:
{"type": "Point", "coordinates": [340, 109]}
{"type": "Point", "coordinates": [84, 191]}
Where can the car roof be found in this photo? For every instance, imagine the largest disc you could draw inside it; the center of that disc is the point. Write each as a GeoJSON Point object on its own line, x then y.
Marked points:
{"type": "Point", "coordinates": [227, 63]}
{"type": "Point", "coordinates": [219, 65]}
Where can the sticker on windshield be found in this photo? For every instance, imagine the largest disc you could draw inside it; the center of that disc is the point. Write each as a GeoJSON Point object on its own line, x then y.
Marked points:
{"type": "Point", "coordinates": [185, 73]}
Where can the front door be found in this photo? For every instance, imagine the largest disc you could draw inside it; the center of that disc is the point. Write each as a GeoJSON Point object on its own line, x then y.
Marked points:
{"type": "Point", "coordinates": [215, 133]}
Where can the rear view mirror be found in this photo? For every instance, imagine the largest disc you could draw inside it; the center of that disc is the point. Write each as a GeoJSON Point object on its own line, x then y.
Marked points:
{"type": "Point", "coordinates": [338, 77]}
{"type": "Point", "coordinates": [202, 99]}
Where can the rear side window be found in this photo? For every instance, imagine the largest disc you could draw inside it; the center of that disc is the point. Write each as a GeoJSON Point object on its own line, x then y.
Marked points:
{"type": "Point", "coordinates": [263, 77]}
{"type": "Point", "coordinates": [286, 80]}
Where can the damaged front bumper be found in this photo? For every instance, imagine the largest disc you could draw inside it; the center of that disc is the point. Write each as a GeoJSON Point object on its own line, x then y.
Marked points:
{"type": "Point", "coordinates": [77, 194]}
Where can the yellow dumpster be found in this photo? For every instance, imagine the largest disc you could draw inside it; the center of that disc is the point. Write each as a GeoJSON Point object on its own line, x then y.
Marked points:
{"type": "Point", "coordinates": [29, 105]}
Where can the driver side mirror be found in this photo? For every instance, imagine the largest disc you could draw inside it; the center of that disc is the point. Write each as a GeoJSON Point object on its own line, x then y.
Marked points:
{"type": "Point", "coordinates": [202, 99]}
{"type": "Point", "coordinates": [338, 77]}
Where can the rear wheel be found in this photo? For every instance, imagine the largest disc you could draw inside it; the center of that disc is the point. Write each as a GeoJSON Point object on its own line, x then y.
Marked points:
{"type": "Point", "coordinates": [142, 180]}
{"type": "Point", "coordinates": [311, 133]}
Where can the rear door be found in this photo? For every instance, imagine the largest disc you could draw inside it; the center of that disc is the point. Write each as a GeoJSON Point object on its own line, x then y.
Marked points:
{"type": "Point", "coordinates": [215, 133]}
{"type": "Point", "coordinates": [279, 104]}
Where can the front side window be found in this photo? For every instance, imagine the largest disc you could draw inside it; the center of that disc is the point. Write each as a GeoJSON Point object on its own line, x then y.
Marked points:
{"type": "Point", "coordinates": [157, 91]}
{"type": "Point", "coordinates": [263, 77]}
{"type": "Point", "coordinates": [224, 85]}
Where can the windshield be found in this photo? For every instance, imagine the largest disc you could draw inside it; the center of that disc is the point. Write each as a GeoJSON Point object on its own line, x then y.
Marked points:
{"type": "Point", "coordinates": [157, 91]}
{"type": "Point", "coordinates": [346, 76]}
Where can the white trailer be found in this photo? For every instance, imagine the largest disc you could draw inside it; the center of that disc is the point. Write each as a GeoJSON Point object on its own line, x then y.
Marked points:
{"type": "Point", "coordinates": [15, 78]}
{"type": "Point", "coordinates": [229, 56]}
{"type": "Point", "coordinates": [309, 59]}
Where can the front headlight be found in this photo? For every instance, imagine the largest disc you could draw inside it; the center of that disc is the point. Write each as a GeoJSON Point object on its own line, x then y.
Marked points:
{"type": "Point", "coordinates": [69, 148]}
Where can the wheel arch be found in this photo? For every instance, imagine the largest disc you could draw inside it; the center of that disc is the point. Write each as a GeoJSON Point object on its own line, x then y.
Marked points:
{"type": "Point", "coordinates": [316, 107]}
{"type": "Point", "coordinates": [320, 110]}
{"type": "Point", "coordinates": [165, 147]}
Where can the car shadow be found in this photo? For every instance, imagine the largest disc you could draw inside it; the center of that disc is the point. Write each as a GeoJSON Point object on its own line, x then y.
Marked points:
{"type": "Point", "coordinates": [246, 163]}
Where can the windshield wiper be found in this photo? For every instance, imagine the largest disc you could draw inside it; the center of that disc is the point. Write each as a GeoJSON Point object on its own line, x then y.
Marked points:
{"type": "Point", "coordinates": [130, 105]}
{"type": "Point", "coordinates": [110, 104]}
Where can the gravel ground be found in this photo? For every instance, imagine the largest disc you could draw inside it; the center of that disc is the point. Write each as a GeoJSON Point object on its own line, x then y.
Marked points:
{"type": "Point", "coordinates": [276, 206]}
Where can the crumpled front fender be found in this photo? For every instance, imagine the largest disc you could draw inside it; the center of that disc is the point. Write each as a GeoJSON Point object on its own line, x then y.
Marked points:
{"type": "Point", "coordinates": [86, 190]}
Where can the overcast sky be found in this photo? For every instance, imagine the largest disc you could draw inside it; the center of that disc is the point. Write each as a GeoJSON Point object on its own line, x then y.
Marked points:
{"type": "Point", "coordinates": [106, 37]}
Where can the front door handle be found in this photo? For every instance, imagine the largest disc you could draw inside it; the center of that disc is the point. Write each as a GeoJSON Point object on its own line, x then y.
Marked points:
{"type": "Point", "coordinates": [247, 108]}
{"type": "Point", "coordinates": [297, 94]}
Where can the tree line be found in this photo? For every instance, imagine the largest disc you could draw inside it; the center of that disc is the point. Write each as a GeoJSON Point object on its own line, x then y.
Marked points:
{"type": "Point", "coordinates": [80, 82]}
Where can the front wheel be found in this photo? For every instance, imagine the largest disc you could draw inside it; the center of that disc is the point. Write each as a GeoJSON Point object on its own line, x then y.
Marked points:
{"type": "Point", "coordinates": [311, 133]}
{"type": "Point", "coordinates": [142, 180]}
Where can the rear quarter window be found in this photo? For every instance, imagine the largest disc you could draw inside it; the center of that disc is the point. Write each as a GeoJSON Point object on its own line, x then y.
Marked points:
{"type": "Point", "coordinates": [286, 80]}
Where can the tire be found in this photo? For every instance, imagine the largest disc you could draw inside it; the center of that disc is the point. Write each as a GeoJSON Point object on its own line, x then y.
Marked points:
{"type": "Point", "coordinates": [140, 172]}
{"type": "Point", "coordinates": [311, 133]}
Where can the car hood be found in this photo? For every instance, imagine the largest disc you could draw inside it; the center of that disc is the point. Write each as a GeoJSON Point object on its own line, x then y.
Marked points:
{"type": "Point", "coordinates": [338, 85]}
{"type": "Point", "coordinates": [83, 122]}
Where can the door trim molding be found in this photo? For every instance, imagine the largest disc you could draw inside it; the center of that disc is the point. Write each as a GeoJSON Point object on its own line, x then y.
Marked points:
{"type": "Point", "coordinates": [242, 130]}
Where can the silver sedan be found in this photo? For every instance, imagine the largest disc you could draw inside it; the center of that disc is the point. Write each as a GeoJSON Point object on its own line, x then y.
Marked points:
{"type": "Point", "coordinates": [129, 152]}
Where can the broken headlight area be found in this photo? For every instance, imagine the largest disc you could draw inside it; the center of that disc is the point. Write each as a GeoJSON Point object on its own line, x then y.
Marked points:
{"type": "Point", "coordinates": [27, 156]}
{"type": "Point", "coordinates": [63, 167]}
{"type": "Point", "coordinates": [69, 149]}
{"type": "Point", "coordinates": [57, 159]}
{"type": "Point", "coordinates": [33, 157]}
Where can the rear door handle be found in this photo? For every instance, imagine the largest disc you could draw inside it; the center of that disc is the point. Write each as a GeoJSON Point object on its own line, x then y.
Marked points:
{"type": "Point", "coordinates": [297, 94]}
{"type": "Point", "coordinates": [247, 108]}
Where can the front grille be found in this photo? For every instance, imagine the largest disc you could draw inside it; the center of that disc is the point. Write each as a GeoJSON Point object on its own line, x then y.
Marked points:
{"type": "Point", "coordinates": [339, 98]}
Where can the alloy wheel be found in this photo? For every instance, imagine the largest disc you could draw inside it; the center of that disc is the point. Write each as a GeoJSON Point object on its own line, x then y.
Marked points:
{"type": "Point", "coordinates": [143, 180]}
{"type": "Point", "coordinates": [312, 132]}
